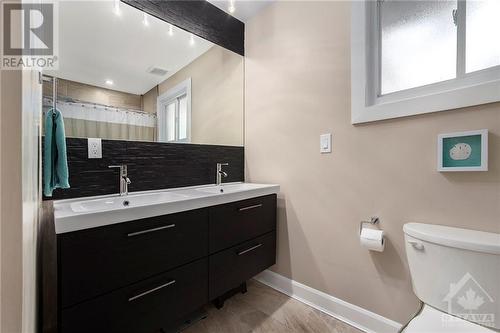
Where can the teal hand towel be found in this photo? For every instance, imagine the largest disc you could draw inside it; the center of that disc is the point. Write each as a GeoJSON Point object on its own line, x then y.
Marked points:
{"type": "Point", "coordinates": [55, 173]}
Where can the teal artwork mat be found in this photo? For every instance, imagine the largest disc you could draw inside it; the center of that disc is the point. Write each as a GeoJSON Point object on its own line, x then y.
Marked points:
{"type": "Point", "coordinates": [474, 160]}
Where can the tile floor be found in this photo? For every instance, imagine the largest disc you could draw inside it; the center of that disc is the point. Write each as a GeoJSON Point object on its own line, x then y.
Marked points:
{"type": "Point", "coordinates": [263, 309]}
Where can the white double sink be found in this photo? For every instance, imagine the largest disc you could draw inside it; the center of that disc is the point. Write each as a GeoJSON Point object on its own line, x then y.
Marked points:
{"type": "Point", "coordinates": [78, 214]}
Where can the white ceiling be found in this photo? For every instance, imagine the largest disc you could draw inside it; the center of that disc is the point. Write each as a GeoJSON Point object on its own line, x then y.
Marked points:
{"type": "Point", "coordinates": [96, 45]}
{"type": "Point", "coordinates": [244, 9]}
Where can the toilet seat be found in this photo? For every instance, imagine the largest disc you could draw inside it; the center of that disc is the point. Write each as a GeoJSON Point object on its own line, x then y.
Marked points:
{"type": "Point", "coordinates": [431, 320]}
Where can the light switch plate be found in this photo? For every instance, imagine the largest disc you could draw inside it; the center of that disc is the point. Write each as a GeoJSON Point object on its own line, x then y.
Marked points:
{"type": "Point", "coordinates": [325, 143]}
{"type": "Point", "coordinates": [95, 147]}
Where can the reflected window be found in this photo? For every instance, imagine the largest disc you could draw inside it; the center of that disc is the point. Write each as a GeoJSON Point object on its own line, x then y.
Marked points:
{"type": "Point", "coordinates": [174, 113]}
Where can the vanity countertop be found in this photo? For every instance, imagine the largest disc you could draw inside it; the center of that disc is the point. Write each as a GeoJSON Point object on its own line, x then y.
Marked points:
{"type": "Point", "coordinates": [84, 213]}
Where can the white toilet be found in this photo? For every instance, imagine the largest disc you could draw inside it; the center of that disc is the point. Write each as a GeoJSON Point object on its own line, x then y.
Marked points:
{"type": "Point", "coordinates": [456, 274]}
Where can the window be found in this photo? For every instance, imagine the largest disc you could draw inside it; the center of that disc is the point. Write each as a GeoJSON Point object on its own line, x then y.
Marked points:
{"type": "Point", "coordinates": [412, 57]}
{"type": "Point", "coordinates": [174, 114]}
{"type": "Point", "coordinates": [175, 123]}
{"type": "Point", "coordinates": [482, 35]}
{"type": "Point", "coordinates": [418, 44]}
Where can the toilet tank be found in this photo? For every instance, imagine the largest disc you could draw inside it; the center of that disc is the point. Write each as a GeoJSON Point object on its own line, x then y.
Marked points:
{"type": "Point", "coordinates": [456, 270]}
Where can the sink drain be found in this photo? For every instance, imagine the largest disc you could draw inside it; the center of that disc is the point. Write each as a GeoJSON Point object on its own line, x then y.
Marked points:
{"type": "Point", "coordinates": [126, 203]}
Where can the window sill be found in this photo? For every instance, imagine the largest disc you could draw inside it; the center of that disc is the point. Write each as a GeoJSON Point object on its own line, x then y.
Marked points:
{"type": "Point", "coordinates": [487, 92]}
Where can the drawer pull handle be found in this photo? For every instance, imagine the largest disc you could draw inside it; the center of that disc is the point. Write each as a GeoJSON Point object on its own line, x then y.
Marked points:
{"type": "Point", "coordinates": [250, 249]}
{"type": "Point", "coordinates": [132, 234]}
{"type": "Point", "coordinates": [250, 207]}
{"type": "Point", "coordinates": [151, 291]}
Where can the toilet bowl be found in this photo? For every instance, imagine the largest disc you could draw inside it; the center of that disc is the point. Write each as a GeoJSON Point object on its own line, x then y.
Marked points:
{"type": "Point", "coordinates": [456, 274]}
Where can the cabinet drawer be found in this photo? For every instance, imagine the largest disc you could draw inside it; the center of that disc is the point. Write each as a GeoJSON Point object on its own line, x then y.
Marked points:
{"type": "Point", "coordinates": [229, 268]}
{"type": "Point", "coordinates": [95, 261]}
{"type": "Point", "coordinates": [145, 307]}
{"type": "Point", "coordinates": [236, 222]}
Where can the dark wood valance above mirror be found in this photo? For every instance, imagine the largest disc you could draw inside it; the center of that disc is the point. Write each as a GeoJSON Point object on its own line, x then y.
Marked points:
{"type": "Point", "coordinates": [200, 18]}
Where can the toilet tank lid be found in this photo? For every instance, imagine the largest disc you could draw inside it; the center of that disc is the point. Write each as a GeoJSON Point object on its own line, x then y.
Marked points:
{"type": "Point", "coordinates": [466, 239]}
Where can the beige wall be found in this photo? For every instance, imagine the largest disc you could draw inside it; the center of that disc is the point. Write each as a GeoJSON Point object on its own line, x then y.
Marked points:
{"type": "Point", "coordinates": [11, 239]}
{"type": "Point", "coordinates": [217, 86]}
{"type": "Point", "coordinates": [93, 94]}
{"type": "Point", "coordinates": [297, 87]}
{"type": "Point", "coordinates": [149, 100]}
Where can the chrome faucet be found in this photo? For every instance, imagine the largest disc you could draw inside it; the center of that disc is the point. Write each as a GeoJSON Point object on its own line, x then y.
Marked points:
{"type": "Point", "coordinates": [220, 173]}
{"type": "Point", "coordinates": [124, 180]}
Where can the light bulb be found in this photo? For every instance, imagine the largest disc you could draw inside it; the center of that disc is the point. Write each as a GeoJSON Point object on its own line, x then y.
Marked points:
{"type": "Point", "coordinates": [145, 20]}
{"type": "Point", "coordinates": [231, 7]}
{"type": "Point", "coordinates": [109, 82]}
{"type": "Point", "coordinates": [116, 8]}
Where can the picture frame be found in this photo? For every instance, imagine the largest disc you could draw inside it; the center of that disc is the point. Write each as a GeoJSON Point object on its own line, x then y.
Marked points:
{"type": "Point", "coordinates": [463, 151]}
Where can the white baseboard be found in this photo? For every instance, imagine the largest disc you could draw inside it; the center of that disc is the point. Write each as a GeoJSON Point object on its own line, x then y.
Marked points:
{"type": "Point", "coordinates": [353, 315]}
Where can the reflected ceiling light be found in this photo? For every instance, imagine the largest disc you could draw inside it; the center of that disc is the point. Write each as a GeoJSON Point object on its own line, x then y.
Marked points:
{"type": "Point", "coordinates": [109, 82]}
{"type": "Point", "coordinates": [231, 7]}
{"type": "Point", "coordinates": [145, 20]}
{"type": "Point", "coordinates": [191, 39]}
{"type": "Point", "coordinates": [116, 8]}
{"type": "Point", "coordinates": [170, 30]}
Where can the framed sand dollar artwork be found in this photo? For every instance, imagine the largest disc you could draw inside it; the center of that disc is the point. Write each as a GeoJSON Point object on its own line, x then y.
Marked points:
{"type": "Point", "coordinates": [463, 151]}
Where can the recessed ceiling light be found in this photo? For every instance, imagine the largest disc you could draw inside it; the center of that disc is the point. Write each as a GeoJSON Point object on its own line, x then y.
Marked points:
{"type": "Point", "coordinates": [117, 9]}
{"type": "Point", "coordinates": [109, 82]}
{"type": "Point", "coordinates": [231, 7]}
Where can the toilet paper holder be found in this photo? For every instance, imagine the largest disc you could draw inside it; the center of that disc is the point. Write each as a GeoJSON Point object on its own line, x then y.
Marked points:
{"type": "Point", "coordinates": [373, 220]}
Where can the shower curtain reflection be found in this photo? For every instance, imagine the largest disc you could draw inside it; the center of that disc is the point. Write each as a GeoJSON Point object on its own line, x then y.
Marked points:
{"type": "Point", "coordinates": [89, 120]}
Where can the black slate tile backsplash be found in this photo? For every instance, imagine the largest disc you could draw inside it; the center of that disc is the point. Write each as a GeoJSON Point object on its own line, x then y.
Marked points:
{"type": "Point", "coordinates": [151, 166]}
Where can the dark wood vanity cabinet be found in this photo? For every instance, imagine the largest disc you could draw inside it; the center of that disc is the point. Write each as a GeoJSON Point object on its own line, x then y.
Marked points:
{"type": "Point", "coordinates": [150, 274]}
{"type": "Point", "coordinates": [233, 223]}
{"type": "Point", "coordinates": [229, 268]}
{"type": "Point", "coordinates": [98, 260]}
{"type": "Point", "coordinates": [146, 306]}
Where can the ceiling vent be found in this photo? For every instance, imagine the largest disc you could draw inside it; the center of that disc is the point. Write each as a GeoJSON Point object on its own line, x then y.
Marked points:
{"type": "Point", "coordinates": [157, 71]}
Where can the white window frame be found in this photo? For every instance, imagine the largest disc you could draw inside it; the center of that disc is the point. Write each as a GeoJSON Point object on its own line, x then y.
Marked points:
{"type": "Point", "coordinates": [367, 105]}
{"type": "Point", "coordinates": [166, 98]}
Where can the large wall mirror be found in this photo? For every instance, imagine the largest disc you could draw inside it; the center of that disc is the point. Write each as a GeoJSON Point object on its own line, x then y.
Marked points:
{"type": "Point", "coordinates": [126, 75]}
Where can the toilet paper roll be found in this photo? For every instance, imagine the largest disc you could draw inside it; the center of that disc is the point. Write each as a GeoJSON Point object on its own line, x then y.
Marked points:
{"type": "Point", "coordinates": [372, 239]}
